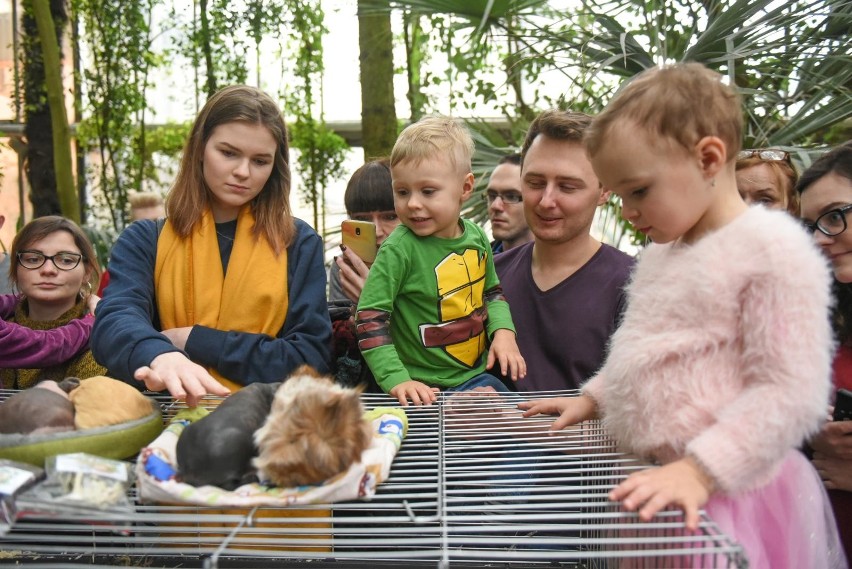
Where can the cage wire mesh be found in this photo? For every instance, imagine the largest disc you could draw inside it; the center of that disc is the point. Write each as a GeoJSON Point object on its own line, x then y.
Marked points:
{"type": "Point", "coordinates": [474, 485]}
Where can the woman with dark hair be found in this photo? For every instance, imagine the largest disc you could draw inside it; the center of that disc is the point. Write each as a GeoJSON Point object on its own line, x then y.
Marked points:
{"type": "Point", "coordinates": [230, 290]}
{"type": "Point", "coordinates": [368, 197]}
{"type": "Point", "coordinates": [55, 271]}
{"type": "Point", "coordinates": [825, 191]}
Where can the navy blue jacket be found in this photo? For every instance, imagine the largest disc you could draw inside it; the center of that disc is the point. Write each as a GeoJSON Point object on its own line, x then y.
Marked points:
{"type": "Point", "coordinates": [126, 333]}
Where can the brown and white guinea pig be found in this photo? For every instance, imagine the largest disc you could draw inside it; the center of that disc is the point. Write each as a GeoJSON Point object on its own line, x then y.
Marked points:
{"type": "Point", "coordinates": [44, 408]}
{"type": "Point", "coordinates": [315, 430]}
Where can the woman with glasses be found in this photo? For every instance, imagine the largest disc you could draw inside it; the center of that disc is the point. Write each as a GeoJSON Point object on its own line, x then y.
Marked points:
{"type": "Point", "coordinates": [55, 270]}
{"type": "Point", "coordinates": [767, 177]}
{"type": "Point", "coordinates": [825, 191]}
{"type": "Point", "coordinates": [231, 288]}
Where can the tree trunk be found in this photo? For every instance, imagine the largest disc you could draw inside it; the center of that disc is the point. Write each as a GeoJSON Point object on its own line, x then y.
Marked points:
{"type": "Point", "coordinates": [415, 40]}
{"type": "Point", "coordinates": [207, 49]}
{"type": "Point", "coordinates": [58, 116]}
{"type": "Point", "coordinates": [378, 113]}
{"type": "Point", "coordinates": [38, 132]}
{"type": "Point", "coordinates": [79, 150]}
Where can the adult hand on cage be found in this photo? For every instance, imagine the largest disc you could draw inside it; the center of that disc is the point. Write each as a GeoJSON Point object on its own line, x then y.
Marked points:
{"type": "Point", "coordinates": [681, 483]}
{"type": "Point", "coordinates": [182, 378]}
{"type": "Point", "coordinates": [834, 440]}
{"type": "Point", "coordinates": [417, 391]}
{"type": "Point", "coordinates": [476, 413]}
{"type": "Point", "coordinates": [571, 410]}
{"type": "Point", "coordinates": [836, 473]}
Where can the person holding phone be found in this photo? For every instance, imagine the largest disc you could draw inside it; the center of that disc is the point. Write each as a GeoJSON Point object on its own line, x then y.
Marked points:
{"type": "Point", "coordinates": [825, 191]}
{"type": "Point", "coordinates": [368, 197]}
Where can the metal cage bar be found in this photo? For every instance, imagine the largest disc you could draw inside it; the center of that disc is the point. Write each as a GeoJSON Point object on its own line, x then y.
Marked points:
{"type": "Point", "coordinates": [474, 485]}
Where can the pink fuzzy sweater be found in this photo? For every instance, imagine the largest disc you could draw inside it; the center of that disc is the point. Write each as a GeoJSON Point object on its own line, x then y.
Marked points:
{"type": "Point", "coordinates": [725, 351]}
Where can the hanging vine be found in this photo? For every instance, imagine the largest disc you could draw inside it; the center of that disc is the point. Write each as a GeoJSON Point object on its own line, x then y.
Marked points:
{"type": "Point", "coordinates": [321, 151]}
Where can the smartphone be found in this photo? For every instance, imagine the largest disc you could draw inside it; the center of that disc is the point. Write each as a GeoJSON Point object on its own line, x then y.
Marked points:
{"type": "Point", "coordinates": [360, 236]}
{"type": "Point", "coordinates": [843, 405]}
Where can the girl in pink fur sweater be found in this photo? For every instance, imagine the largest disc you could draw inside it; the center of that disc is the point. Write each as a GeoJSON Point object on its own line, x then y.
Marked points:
{"type": "Point", "coordinates": [721, 367]}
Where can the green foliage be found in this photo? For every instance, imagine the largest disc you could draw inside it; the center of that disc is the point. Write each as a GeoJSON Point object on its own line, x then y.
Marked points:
{"type": "Point", "coordinates": [216, 41]}
{"type": "Point", "coordinates": [791, 60]}
{"type": "Point", "coordinates": [102, 239]}
{"type": "Point", "coordinates": [118, 43]}
{"type": "Point", "coordinates": [321, 152]}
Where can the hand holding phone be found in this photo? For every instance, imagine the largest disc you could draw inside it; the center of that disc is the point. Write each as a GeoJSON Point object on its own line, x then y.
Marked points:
{"type": "Point", "coordinates": [843, 405]}
{"type": "Point", "coordinates": [360, 237]}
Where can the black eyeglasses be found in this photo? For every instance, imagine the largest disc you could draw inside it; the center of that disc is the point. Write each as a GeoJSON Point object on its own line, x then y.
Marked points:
{"type": "Point", "coordinates": [507, 197]}
{"type": "Point", "coordinates": [767, 154]}
{"type": "Point", "coordinates": [35, 259]}
{"type": "Point", "coordinates": [831, 223]}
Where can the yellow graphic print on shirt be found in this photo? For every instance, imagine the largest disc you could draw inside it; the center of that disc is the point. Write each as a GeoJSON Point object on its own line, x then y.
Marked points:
{"type": "Point", "coordinates": [461, 285]}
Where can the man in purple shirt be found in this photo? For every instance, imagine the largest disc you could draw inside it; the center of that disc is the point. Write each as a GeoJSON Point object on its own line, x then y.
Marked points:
{"type": "Point", "coordinates": [565, 288]}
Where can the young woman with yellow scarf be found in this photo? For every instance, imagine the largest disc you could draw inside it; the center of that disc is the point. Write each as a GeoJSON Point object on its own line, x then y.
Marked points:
{"type": "Point", "coordinates": [230, 289]}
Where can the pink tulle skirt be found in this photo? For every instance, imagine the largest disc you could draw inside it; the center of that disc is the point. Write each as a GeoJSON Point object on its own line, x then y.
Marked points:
{"type": "Point", "coordinates": [786, 524]}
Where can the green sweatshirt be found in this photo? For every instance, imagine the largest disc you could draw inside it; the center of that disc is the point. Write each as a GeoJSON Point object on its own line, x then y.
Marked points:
{"type": "Point", "coordinates": [428, 307]}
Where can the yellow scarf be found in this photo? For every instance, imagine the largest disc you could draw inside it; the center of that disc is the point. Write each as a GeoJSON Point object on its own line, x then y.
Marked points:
{"type": "Point", "coordinates": [192, 288]}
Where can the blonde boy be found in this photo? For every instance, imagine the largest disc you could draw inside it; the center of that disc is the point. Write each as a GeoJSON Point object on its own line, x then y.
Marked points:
{"type": "Point", "coordinates": [432, 298]}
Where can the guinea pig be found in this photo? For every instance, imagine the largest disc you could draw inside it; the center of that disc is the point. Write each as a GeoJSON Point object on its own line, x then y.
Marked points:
{"type": "Point", "coordinates": [44, 408]}
{"type": "Point", "coordinates": [217, 450]}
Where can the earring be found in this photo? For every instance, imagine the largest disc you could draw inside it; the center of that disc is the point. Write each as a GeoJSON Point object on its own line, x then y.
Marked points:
{"type": "Point", "coordinates": [713, 182]}
{"type": "Point", "coordinates": [86, 291]}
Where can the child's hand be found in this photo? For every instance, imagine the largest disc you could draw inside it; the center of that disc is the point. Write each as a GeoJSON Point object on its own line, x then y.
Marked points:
{"type": "Point", "coordinates": [505, 349]}
{"type": "Point", "coordinates": [418, 392]}
{"type": "Point", "coordinates": [571, 410]}
{"type": "Point", "coordinates": [682, 483]}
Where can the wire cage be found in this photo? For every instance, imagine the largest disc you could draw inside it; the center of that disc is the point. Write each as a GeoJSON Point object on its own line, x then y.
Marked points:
{"type": "Point", "coordinates": [474, 485]}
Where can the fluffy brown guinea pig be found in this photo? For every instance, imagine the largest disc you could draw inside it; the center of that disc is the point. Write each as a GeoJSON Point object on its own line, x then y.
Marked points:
{"type": "Point", "coordinates": [315, 430]}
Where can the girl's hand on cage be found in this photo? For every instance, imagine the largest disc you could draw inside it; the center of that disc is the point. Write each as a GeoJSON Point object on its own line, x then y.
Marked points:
{"type": "Point", "coordinates": [571, 410]}
{"type": "Point", "coordinates": [682, 483]}
{"type": "Point", "coordinates": [183, 378]}
{"type": "Point", "coordinates": [504, 349]}
{"type": "Point", "coordinates": [418, 392]}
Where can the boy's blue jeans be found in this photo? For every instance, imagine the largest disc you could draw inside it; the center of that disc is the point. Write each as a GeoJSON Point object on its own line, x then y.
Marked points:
{"type": "Point", "coordinates": [481, 380]}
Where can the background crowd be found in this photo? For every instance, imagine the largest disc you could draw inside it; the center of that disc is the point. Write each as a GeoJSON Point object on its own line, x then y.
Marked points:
{"type": "Point", "coordinates": [711, 354]}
